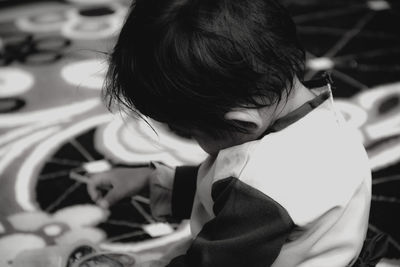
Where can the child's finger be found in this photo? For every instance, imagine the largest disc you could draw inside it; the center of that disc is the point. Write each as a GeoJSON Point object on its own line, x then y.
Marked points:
{"type": "Point", "coordinates": [94, 188]}
{"type": "Point", "coordinates": [93, 193]}
{"type": "Point", "coordinates": [109, 199]}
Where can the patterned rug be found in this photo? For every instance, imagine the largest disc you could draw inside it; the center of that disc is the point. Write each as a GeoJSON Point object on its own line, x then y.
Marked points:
{"type": "Point", "coordinates": [54, 129]}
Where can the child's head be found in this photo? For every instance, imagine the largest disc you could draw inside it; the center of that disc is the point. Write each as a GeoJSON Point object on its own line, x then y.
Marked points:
{"type": "Point", "coordinates": [189, 62]}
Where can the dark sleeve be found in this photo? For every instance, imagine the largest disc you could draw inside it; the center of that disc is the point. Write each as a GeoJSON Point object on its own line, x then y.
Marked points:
{"type": "Point", "coordinates": [249, 229]}
{"type": "Point", "coordinates": [183, 191]}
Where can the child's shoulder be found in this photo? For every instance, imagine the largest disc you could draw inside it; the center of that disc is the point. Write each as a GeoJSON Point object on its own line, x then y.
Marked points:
{"type": "Point", "coordinates": [317, 162]}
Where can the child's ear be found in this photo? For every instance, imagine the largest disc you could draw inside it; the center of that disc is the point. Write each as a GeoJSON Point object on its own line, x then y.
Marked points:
{"type": "Point", "coordinates": [250, 118]}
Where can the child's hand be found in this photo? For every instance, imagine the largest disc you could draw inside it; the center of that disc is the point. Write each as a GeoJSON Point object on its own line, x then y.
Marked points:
{"type": "Point", "coordinates": [109, 187]}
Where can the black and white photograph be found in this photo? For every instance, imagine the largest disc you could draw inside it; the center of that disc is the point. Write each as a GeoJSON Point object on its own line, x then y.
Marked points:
{"type": "Point", "coordinates": [199, 133]}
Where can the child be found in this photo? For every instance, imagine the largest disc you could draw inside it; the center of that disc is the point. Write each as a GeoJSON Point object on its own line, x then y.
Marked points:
{"type": "Point", "coordinates": [286, 183]}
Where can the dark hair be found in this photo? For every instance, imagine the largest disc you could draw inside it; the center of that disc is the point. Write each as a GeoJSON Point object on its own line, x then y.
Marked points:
{"type": "Point", "coordinates": [188, 62]}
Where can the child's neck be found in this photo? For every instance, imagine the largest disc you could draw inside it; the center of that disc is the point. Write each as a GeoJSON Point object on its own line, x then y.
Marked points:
{"type": "Point", "coordinates": [265, 116]}
{"type": "Point", "coordinates": [299, 96]}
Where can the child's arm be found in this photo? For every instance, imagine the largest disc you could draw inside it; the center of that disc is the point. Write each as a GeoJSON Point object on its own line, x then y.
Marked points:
{"type": "Point", "coordinates": [126, 181]}
{"type": "Point", "coordinates": [172, 191]}
{"type": "Point", "coordinates": [249, 229]}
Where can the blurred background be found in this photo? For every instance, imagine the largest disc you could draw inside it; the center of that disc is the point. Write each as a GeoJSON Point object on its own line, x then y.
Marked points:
{"type": "Point", "coordinates": [54, 129]}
